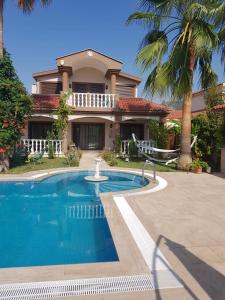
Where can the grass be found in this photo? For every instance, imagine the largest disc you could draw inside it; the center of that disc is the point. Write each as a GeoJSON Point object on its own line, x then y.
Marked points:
{"type": "Point", "coordinates": [45, 163]}
{"type": "Point", "coordinates": [138, 164]}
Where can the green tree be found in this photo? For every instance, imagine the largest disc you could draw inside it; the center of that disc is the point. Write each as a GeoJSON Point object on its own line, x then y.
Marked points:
{"type": "Point", "coordinates": [210, 129]}
{"type": "Point", "coordinates": [26, 6]}
{"type": "Point", "coordinates": [15, 106]}
{"type": "Point", "coordinates": [181, 40]}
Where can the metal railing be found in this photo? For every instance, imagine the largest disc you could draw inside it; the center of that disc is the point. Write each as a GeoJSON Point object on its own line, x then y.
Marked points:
{"type": "Point", "coordinates": [89, 100]}
{"type": "Point", "coordinates": [38, 145]}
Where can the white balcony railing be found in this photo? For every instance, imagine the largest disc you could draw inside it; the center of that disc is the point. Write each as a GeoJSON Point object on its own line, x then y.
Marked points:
{"type": "Point", "coordinates": [125, 145]}
{"type": "Point", "coordinates": [37, 146]}
{"type": "Point", "coordinates": [88, 100]}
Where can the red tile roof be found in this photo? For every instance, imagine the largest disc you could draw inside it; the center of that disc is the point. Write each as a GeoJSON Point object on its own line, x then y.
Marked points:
{"type": "Point", "coordinates": [141, 105]}
{"type": "Point", "coordinates": [220, 107]}
{"type": "Point", "coordinates": [175, 114]}
{"type": "Point", "coordinates": [45, 101]}
{"type": "Point", "coordinates": [134, 105]}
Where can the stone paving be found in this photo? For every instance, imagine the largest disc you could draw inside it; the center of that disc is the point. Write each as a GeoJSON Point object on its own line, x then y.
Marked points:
{"type": "Point", "coordinates": [88, 160]}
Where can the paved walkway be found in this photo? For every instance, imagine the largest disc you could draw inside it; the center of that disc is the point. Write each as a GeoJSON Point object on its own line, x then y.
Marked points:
{"type": "Point", "coordinates": [88, 160]}
{"type": "Point", "coordinates": [187, 221]}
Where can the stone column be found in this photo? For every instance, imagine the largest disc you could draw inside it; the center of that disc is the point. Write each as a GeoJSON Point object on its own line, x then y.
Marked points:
{"type": "Point", "coordinates": [113, 83]}
{"type": "Point", "coordinates": [65, 72]}
{"type": "Point", "coordinates": [65, 81]}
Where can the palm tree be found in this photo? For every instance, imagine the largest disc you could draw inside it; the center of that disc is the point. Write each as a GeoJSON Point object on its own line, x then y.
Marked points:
{"type": "Point", "coordinates": [181, 40]}
{"type": "Point", "coordinates": [26, 6]}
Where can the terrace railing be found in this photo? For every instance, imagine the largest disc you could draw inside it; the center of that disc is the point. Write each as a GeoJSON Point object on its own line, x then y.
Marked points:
{"type": "Point", "coordinates": [38, 145]}
{"type": "Point", "coordinates": [89, 100]}
{"type": "Point", "coordinates": [125, 145]}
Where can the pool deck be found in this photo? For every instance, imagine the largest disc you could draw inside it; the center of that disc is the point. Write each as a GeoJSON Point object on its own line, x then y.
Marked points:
{"type": "Point", "coordinates": [187, 222]}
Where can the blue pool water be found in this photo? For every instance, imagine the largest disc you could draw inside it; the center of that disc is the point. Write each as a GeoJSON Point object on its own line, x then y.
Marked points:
{"type": "Point", "coordinates": [59, 220]}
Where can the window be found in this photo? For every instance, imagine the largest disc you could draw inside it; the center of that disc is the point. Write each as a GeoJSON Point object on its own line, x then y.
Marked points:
{"type": "Point", "coordinates": [39, 130]}
{"type": "Point", "coordinates": [126, 131]}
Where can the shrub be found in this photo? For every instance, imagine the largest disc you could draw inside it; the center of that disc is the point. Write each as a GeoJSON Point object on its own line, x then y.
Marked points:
{"type": "Point", "coordinates": [110, 158]}
{"type": "Point", "coordinates": [159, 133]}
{"type": "Point", "coordinates": [133, 150]}
{"type": "Point", "coordinates": [73, 157]}
{"type": "Point", "coordinates": [117, 144]}
{"type": "Point", "coordinates": [107, 155]}
{"type": "Point", "coordinates": [50, 137]}
{"type": "Point", "coordinates": [19, 157]}
{"type": "Point", "coordinates": [199, 164]}
{"type": "Point", "coordinates": [113, 162]}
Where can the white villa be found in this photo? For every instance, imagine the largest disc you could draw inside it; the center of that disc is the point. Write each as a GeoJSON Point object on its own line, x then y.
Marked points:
{"type": "Point", "coordinates": [104, 103]}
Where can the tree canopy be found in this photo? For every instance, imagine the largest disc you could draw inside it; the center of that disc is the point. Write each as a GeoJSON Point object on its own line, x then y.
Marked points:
{"type": "Point", "coordinates": [181, 38]}
{"type": "Point", "coordinates": [15, 105]}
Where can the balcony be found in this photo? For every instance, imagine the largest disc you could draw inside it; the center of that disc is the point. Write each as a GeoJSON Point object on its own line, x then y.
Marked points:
{"type": "Point", "coordinates": [92, 101]}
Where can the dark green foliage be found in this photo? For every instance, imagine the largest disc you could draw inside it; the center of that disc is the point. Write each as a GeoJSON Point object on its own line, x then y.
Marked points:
{"type": "Point", "coordinates": [62, 113]}
{"type": "Point", "coordinates": [197, 163]}
{"type": "Point", "coordinates": [19, 156]}
{"type": "Point", "coordinates": [15, 105]}
{"type": "Point", "coordinates": [117, 144]}
{"type": "Point", "coordinates": [110, 158]}
{"type": "Point", "coordinates": [73, 157]}
{"type": "Point", "coordinates": [159, 133]}
{"type": "Point", "coordinates": [133, 150]}
{"type": "Point", "coordinates": [210, 129]}
{"type": "Point", "coordinates": [181, 38]}
{"type": "Point", "coordinates": [50, 137]}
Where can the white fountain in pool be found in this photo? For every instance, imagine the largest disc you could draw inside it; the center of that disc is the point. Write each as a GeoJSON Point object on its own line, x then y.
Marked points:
{"type": "Point", "coordinates": [97, 177]}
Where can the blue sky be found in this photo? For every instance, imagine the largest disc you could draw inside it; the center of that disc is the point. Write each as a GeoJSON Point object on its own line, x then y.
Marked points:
{"type": "Point", "coordinates": [35, 40]}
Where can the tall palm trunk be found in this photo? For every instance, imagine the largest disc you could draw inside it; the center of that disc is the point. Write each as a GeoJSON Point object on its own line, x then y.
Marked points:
{"type": "Point", "coordinates": [185, 157]}
{"type": "Point", "coordinates": [1, 27]}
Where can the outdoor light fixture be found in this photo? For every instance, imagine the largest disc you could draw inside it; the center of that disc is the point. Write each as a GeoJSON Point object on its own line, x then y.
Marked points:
{"type": "Point", "coordinates": [90, 53]}
{"type": "Point", "coordinates": [61, 62]}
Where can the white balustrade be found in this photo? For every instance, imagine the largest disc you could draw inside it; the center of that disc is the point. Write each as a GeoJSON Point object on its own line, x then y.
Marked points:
{"type": "Point", "coordinates": [37, 146]}
{"type": "Point", "coordinates": [125, 145]}
{"type": "Point", "coordinates": [89, 100]}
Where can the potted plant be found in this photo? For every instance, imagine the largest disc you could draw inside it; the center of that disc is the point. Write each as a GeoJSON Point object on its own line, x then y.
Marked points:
{"type": "Point", "coordinates": [197, 166]}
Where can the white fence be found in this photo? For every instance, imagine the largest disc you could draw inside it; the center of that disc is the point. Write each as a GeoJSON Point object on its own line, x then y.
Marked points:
{"type": "Point", "coordinates": [125, 145]}
{"type": "Point", "coordinates": [37, 146]}
{"type": "Point", "coordinates": [89, 100]}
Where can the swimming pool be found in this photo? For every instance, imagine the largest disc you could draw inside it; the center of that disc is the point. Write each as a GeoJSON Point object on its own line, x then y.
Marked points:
{"type": "Point", "coordinates": [59, 220]}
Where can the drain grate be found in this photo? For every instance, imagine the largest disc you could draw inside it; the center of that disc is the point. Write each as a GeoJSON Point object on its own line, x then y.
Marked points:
{"type": "Point", "coordinates": [79, 287]}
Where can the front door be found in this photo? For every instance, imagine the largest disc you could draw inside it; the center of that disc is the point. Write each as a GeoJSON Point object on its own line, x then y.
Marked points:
{"type": "Point", "coordinates": [89, 136]}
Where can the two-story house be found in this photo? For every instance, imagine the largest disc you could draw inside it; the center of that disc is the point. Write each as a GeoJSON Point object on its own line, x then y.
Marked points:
{"type": "Point", "coordinates": [104, 102]}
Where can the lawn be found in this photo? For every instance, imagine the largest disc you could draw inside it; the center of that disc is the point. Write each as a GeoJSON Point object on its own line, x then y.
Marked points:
{"type": "Point", "coordinates": [138, 164]}
{"type": "Point", "coordinates": [45, 163]}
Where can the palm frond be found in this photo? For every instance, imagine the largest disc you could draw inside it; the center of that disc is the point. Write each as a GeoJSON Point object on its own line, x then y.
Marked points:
{"type": "Point", "coordinates": [28, 5]}
{"type": "Point", "coordinates": [208, 77]}
{"type": "Point", "coordinates": [154, 46]}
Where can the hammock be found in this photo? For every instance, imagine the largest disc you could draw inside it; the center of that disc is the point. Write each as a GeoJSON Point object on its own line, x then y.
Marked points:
{"type": "Point", "coordinates": [146, 150]}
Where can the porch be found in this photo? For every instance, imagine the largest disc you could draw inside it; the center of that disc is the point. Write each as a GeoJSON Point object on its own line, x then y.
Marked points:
{"type": "Point", "coordinates": [86, 132]}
